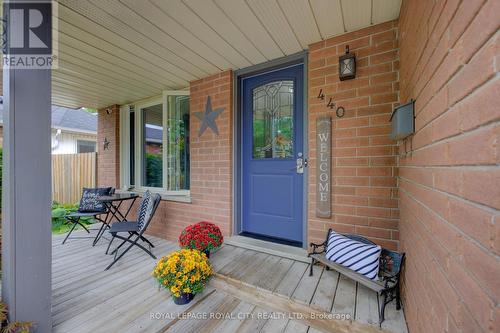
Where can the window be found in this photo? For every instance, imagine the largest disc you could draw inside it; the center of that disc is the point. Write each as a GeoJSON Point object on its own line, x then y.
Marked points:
{"type": "Point", "coordinates": [84, 146]}
{"type": "Point", "coordinates": [131, 149]}
{"type": "Point", "coordinates": [155, 149]}
{"type": "Point", "coordinates": [152, 145]}
{"type": "Point", "coordinates": [273, 120]}
{"type": "Point", "coordinates": [178, 142]}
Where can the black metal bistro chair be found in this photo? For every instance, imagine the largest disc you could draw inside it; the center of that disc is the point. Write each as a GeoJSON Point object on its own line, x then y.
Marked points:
{"type": "Point", "coordinates": [135, 230]}
{"type": "Point", "coordinates": [89, 207]}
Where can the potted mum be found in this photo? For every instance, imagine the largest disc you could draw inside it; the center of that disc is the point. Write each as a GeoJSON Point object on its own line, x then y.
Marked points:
{"type": "Point", "coordinates": [185, 273]}
{"type": "Point", "coordinates": [202, 236]}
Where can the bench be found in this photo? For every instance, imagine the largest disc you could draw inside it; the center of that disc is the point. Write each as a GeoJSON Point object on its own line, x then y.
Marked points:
{"type": "Point", "coordinates": [388, 285]}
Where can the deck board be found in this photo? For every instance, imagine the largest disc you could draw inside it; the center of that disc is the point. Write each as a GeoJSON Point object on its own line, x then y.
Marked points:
{"type": "Point", "coordinates": [366, 305]}
{"type": "Point", "coordinates": [294, 326]}
{"type": "Point", "coordinates": [325, 291]}
{"type": "Point", "coordinates": [88, 299]}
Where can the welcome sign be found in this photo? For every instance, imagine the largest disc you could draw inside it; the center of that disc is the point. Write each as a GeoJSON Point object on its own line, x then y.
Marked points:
{"type": "Point", "coordinates": [323, 167]}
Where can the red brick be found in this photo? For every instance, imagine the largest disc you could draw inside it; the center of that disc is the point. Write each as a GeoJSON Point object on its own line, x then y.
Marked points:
{"type": "Point", "coordinates": [476, 301]}
{"type": "Point", "coordinates": [384, 98]}
{"type": "Point", "coordinates": [360, 138]}
{"type": "Point", "coordinates": [484, 99]}
{"type": "Point", "coordinates": [383, 78]}
{"type": "Point", "coordinates": [383, 181]}
{"type": "Point", "coordinates": [383, 57]}
{"type": "Point", "coordinates": [383, 36]}
{"type": "Point", "coordinates": [383, 202]}
{"type": "Point", "coordinates": [351, 161]}
{"type": "Point", "coordinates": [373, 110]}
{"type": "Point", "coordinates": [463, 17]}
{"type": "Point", "coordinates": [374, 171]}
{"type": "Point", "coordinates": [373, 232]}
{"type": "Point", "coordinates": [477, 71]}
{"type": "Point", "coordinates": [374, 151]}
{"type": "Point", "coordinates": [108, 161]}
{"type": "Point", "coordinates": [483, 266]}
{"type": "Point", "coordinates": [482, 27]}
{"type": "Point", "coordinates": [440, 229]}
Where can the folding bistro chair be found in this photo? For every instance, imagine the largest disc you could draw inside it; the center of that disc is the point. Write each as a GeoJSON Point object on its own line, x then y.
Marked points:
{"type": "Point", "coordinates": [135, 230]}
{"type": "Point", "coordinates": [89, 207]}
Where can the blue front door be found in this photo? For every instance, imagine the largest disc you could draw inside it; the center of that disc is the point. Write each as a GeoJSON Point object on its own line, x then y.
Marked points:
{"type": "Point", "coordinates": [272, 137]}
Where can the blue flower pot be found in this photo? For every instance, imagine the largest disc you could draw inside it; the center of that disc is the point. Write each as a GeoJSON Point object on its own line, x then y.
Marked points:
{"type": "Point", "coordinates": [207, 253]}
{"type": "Point", "coordinates": [183, 299]}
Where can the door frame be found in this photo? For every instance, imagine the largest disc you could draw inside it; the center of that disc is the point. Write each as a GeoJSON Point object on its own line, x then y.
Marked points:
{"type": "Point", "coordinates": [273, 65]}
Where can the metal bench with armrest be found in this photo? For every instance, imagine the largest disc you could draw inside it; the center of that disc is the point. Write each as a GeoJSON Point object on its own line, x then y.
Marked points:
{"type": "Point", "coordinates": [388, 285]}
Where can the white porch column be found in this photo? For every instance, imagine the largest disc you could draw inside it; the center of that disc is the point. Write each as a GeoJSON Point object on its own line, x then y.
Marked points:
{"type": "Point", "coordinates": [26, 216]}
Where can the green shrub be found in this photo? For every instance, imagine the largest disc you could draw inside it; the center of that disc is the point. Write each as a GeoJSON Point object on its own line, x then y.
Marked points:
{"type": "Point", "coordinates": [154, 170]}
{"type": "Point", "coordinates": [59, 211]}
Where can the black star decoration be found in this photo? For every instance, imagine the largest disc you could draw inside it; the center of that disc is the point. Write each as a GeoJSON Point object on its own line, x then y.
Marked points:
{"type": "Point", "coordinates": [208, 118]}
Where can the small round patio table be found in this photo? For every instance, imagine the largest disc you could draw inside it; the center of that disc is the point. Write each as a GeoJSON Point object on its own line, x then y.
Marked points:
{"type": "Point", "coordinates": [113, 203]}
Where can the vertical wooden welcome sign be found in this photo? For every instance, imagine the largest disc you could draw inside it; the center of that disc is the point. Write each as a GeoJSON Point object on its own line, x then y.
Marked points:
{"type": "Point", "coordinates": [323, 166]}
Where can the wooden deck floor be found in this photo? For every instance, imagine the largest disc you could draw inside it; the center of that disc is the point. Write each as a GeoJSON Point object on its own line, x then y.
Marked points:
{"type": "Point", "coordinates": [244, 296]}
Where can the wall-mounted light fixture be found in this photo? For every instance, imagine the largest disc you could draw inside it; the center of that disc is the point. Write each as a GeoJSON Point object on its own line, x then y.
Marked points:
{"type": "Point", "coordinates": [105, 143]}
{"type": "Point", "coordinates": [109, 111]}
{"type": "Point", "coordinates": [347, 65]}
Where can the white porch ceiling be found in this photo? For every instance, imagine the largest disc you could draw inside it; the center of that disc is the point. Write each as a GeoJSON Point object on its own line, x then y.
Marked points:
{"type": "Point", "coordinates": [119, 51]}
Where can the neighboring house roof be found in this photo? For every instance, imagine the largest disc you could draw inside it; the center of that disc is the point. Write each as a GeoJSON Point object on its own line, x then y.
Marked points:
{"type": "Point", "coordinates": [154, 134]}
{"type": "Point", "coordinates": [76, 120]}
{"type": "Point", "coordinates": [73, 119]}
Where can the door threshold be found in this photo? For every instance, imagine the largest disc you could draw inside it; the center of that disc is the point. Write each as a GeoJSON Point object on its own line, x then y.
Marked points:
{"type": "Point", "coordinates": [281, 250]}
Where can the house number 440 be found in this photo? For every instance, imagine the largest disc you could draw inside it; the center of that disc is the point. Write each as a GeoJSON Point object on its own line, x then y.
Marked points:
{"type": "Point", "coordinates": [340, 111]}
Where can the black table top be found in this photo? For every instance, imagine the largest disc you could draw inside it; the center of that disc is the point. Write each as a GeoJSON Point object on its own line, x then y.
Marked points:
{"type": "Point", "coordinates": [118, 197]}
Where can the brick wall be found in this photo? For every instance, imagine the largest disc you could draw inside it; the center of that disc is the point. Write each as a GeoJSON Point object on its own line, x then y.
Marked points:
{"type": "Point", "coordinates": [449, 169]}
{"type": "Point", "coordinates": [364, 196]}
{"type": "Point", "coordinates": [108, 161]}
{"type": "Point", "coordinates": [1, 136]}
{"type": "Point", "coordinates": [210, 163]}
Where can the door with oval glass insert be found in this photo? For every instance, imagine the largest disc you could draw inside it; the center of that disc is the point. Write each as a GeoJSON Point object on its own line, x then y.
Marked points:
{"type": "Point", "coordinates": [272, 137]}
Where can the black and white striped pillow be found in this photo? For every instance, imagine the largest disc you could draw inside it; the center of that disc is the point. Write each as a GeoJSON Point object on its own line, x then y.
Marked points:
{"type": "Point", "coordinates": [361, 258]}
{"type": "Point", "coordinates": [144, 209]}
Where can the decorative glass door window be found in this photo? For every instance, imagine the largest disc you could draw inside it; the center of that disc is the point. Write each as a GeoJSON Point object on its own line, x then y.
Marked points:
{"type": "Point", "coordinates": [273, 120]}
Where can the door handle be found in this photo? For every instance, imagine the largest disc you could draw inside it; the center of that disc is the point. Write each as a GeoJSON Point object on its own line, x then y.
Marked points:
{"type": "Point", "coordinates": [301, 163]}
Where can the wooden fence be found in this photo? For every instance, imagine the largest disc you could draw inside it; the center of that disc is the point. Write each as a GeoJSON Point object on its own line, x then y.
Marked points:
{"type": "Point", "coordinates": [70, 173]}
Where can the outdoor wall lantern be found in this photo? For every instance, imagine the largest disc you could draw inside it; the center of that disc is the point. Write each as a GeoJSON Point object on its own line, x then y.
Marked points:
{"type": "Point", "coordinates": [105, 143]}
{"type": "Point", "coordinates": [347, 65]}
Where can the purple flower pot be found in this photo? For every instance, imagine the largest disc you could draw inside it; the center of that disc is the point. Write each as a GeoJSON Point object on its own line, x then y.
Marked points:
{"type": "Point", "coordinates": [183, 299]}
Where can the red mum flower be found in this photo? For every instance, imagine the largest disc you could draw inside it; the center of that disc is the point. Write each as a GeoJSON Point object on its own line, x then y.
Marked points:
{"type": "Point", "coordinates": [202, 236]}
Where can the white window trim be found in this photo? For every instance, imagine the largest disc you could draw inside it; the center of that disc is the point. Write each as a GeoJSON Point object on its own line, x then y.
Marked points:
{"type": "Point", "coordinates": [180, 195]}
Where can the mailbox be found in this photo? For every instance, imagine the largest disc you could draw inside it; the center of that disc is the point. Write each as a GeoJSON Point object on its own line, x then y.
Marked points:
{"type": "Point", "coordinates": [403, 121]}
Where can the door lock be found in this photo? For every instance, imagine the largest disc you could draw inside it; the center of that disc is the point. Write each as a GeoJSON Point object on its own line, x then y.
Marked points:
{"type": "Point", "coordinates": [301, 163]}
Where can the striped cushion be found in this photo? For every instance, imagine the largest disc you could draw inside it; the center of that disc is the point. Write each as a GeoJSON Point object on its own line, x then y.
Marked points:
{"type": "Point", "coordinates": [361, 258]}
{"type": "Point", "coordinates": [144, 209]}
